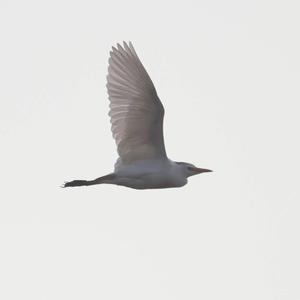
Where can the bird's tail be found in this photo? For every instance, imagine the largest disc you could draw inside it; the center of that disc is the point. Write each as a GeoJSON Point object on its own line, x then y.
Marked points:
{"type": "Point", "coordinates": [104, 179]}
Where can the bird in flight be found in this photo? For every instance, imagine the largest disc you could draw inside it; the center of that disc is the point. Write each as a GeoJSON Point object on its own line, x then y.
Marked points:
{"type": "Point", "coordinates": [136, 116]}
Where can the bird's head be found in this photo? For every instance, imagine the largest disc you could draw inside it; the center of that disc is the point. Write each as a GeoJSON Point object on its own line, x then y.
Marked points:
{"type": "Point", "coordinates": [190, 169]}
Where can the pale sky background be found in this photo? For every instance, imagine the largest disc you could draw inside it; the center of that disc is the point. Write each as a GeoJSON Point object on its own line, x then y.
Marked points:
{"type": "Point", "coordinates": [228, 75]}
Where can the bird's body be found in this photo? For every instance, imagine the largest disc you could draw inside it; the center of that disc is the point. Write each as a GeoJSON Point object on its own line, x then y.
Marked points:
{"type": "Point", "coordinates": [137, 115]}
{"type": "Point", "coordinates": [150, 174]}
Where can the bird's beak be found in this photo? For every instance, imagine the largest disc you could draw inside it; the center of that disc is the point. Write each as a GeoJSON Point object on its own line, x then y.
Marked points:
{"type": "Point", "coordinates": [200, 170]}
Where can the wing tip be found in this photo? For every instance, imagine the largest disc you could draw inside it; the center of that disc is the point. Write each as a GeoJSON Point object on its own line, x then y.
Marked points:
{"type": "Point", "coordinates": [127, 47]}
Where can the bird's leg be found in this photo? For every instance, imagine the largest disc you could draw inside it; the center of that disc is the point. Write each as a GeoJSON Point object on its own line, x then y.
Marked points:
{"type": "Point", "coordinates": [104, 179]}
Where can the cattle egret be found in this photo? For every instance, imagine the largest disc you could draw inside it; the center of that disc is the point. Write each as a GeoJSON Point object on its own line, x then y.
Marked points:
{"type": "Point", "coordinates": [136, 116]}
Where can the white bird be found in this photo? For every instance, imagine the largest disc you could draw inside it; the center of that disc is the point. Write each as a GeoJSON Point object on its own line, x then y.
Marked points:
{"type": "Point", "coordinates": [136, 116]}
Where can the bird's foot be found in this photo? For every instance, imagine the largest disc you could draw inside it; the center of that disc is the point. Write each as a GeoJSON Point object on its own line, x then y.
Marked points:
{"type": "Point", "coordinates": [74, 183]}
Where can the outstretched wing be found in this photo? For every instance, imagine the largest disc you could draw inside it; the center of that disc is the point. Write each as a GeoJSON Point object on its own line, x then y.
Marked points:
{"type": "Point", "coordinates": [135, 110]}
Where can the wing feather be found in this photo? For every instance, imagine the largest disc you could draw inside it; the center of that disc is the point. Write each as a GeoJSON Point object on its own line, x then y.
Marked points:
{"type": "Point", "coordinates": [135, 110]}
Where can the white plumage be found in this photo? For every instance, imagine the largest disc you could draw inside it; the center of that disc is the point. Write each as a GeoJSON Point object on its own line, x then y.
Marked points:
{"type": "Point", "coordinates": [136, 115]}
{"type": "Point", "coordinates": [135, 109]}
